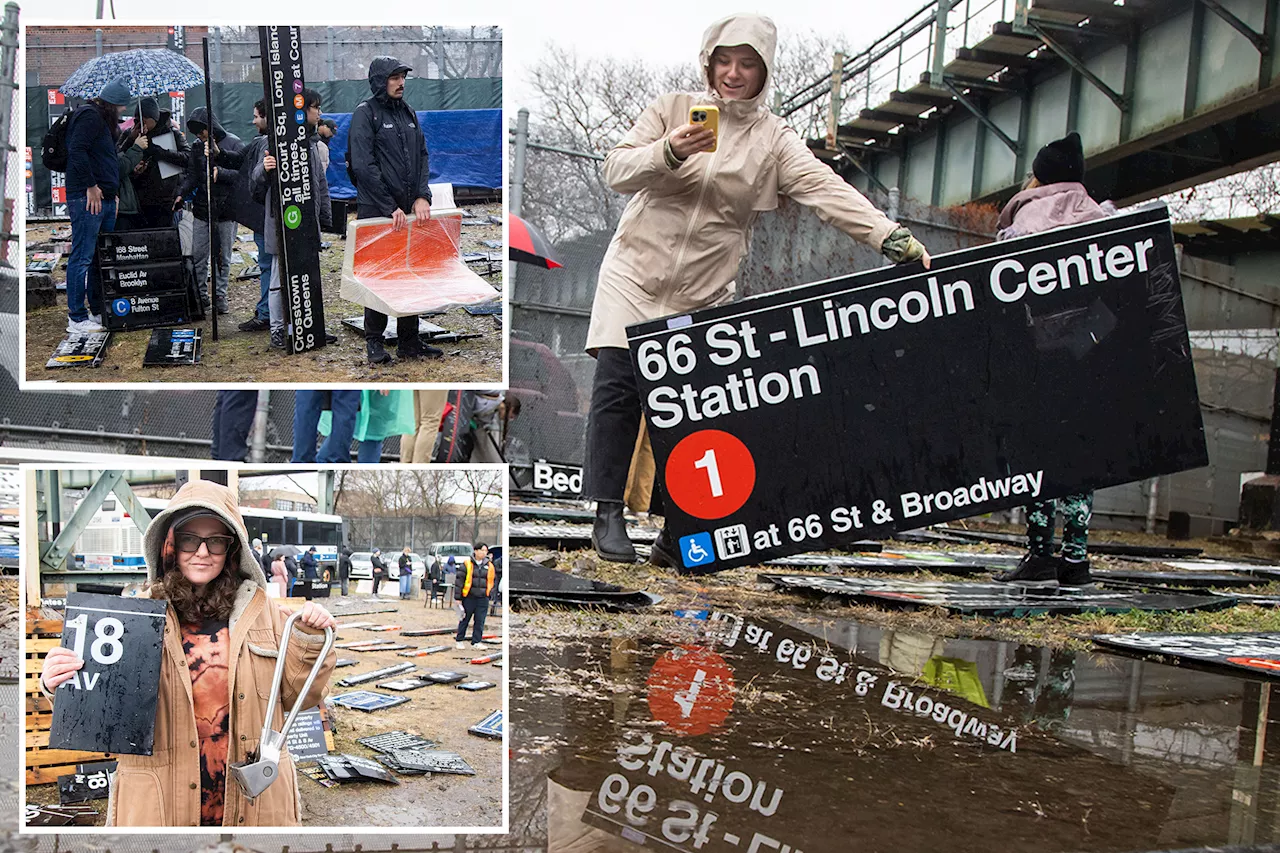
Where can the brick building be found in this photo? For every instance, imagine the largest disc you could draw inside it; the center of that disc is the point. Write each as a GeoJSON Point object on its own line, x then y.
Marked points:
{"type": "Point", "coordinates": [54, 53]}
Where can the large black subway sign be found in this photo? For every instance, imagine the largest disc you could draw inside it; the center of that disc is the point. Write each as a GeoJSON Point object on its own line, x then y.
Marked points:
{"type": "Point", "coordinates": [808, 418]}
{"type": "Point", "coordinates": [110, 703]}
{"type": "Point", "coordinates": [295, 212]}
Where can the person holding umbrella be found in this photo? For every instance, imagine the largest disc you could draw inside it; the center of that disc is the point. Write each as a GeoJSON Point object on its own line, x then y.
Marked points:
{"type": "Point", "coordinates": [685, 231]}
{"type": "Point", "coordinates": [155, 192]}
{"type": "Point", "coordinates": [93, 180]}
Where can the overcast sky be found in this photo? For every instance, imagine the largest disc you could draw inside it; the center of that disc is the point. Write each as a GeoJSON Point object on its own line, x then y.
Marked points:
{"type": "Point", "coordinates": [663, 32]}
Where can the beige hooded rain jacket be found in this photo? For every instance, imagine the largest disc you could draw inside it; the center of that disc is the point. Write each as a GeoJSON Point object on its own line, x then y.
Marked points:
{"type": "Point", "coordinates": [685, 231]}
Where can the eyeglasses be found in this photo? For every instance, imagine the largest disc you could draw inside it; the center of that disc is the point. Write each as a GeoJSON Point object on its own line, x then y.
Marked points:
{"type": "Point", "coordinates": [190, 543]}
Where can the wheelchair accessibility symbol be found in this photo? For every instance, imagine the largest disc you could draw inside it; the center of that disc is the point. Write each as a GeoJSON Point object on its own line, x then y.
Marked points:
{"type": "Point", "coordinates": [696, 550]}
{"type": "Point", "coordinates": [120, 307]}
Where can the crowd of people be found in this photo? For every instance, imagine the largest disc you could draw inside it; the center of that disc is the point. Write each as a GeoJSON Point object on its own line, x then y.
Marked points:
{"type": "Point", "coordinates": [144, 172]}
{"type": "Point", "coordinates": [480, 577]}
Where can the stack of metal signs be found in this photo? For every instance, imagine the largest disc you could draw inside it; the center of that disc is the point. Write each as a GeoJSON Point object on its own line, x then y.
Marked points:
{"type": "Point", "coordinates": [414, 755]}
{"type": "Point", "coordinates": [352, 768]}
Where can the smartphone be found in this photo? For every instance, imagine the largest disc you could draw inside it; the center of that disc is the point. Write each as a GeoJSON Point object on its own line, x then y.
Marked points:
{"type": "Point", "coordinates": [710, 117]}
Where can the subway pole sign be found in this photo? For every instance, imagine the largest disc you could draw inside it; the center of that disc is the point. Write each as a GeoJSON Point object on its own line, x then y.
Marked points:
{"type": "Point", "coordinates": [808, 418]}
{"type": "Point", "coordinates": [295, 205]}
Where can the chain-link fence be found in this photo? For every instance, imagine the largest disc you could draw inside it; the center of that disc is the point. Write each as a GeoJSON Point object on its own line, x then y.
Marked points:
{"type": "Point", "coordinates": [14, 153]}
{"type": "Point", "coordinates": [393, 534]}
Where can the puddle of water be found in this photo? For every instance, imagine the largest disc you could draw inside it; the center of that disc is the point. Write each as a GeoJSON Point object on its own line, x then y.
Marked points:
{"type": "Point", "coordinates": [830, 735]}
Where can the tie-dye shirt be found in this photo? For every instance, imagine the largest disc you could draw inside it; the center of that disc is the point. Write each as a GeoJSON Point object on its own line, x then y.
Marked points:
{"type": "Point", "coordinates": [206, 649]}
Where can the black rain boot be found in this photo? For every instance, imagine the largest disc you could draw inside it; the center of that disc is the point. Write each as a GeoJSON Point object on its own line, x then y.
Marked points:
{"type": "Point", "coordinates": [663, 551]}
{"type": "Point", "coordinates": [1074, 572]}
{"type": "Point", "coordinates": [377, 352]}
{"type": "Point", "coordinates": [1032, 570]}
{"type": "Point", "coordinates": [609, 534]}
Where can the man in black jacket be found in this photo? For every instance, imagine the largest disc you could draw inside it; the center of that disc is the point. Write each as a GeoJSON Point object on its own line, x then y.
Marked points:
{"type": "Point", "coordinates": [251, 213]}
{"type": "Point", "coordinates": [344, 566]}
{"type": "Point", "coordinates": [379, 569]}
{"type": "Point", "coordinates": [223, 233]}
{"type": "Point", "coordinates": [389, 159]}
{"type": "Point", "coordinates": [156, 194]}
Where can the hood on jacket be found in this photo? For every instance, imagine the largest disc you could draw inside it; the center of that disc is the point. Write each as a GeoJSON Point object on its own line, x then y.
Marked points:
{"type": "Point", "coordinates": [1049, 206]}
{"type": "Point", "coordinates": [754, 31]}
{"type": "Point", "coordinates": [202, 494]}
{"type": "Point", "coordinates": [199, 120]}
{"type": "Point", "coordinates": [381, 68]}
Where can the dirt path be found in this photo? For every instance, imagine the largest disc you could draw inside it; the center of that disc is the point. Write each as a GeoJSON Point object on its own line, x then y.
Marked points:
{"type": "Point", "coordinates": [247, 356]}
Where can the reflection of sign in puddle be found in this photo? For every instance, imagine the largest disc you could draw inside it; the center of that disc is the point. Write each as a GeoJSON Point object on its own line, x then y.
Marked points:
{"type": "Point", "coordinates": [691, 690]}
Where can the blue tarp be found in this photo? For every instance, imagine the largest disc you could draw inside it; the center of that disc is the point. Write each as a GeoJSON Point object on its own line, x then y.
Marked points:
{"type": "Point", "coordinates": [464, 148]}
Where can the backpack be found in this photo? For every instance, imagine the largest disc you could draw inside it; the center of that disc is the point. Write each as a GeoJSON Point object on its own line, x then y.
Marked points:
{"type": "Point", "coordinates": [351, 173]}
{"type": "Point", "coordinates": [53, 148]}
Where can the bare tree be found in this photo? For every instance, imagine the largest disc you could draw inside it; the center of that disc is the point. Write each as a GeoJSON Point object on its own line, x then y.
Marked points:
{"type": "Point", "coordinates": [588, 104]}
{"type": "Point", "coordinates": [1244, 194]}
{"type": "Point", "coordinates": [479, 487]}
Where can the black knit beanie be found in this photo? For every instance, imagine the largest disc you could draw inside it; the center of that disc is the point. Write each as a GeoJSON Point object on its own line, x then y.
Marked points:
{"type": "Point", "coordinates": [1061, 161]}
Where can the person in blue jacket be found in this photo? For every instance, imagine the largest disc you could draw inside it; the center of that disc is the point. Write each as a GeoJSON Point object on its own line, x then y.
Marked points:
{"type": "Point", "coordinates": [93, 182]}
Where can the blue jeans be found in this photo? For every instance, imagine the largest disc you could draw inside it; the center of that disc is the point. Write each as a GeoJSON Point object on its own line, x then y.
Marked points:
{"type": "Point", "coordinates": [370, 451]}
{"type": "Point", "coordinates": [82, 274]}
{"type": "Point", "coordinates": [262, 312]}
{"type": "Point", "coordinates": [306, 416]}
{"type": "Point", "coordinates": [406, 583]}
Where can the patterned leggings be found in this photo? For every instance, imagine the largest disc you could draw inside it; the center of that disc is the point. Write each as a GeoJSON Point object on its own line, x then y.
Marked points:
{"type": "Point", "coordinates": [1076, 512]}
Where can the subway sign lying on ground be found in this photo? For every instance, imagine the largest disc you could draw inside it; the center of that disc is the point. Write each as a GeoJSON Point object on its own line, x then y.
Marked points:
{"type": "Point", "coordinates": [887, 400]}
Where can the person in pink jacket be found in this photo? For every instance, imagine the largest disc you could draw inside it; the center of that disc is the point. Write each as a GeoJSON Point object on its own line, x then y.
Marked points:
{"type": "Point", "coordinates": [686, 230]}
{"type": "Point", "coordinates": [1053, 197]}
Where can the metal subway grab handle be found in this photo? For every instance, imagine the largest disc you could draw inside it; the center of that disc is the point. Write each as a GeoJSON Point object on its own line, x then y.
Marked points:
{"type": "Point", "coordinates": [260, 769]}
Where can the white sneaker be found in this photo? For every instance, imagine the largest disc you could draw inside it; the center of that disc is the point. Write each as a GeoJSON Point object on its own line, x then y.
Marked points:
{"type": "Point", "coordinates": [459, 645]}
{"type": "Point", "coordinates": [95, 318]}
{"type": "Point", "coordinates": [480, 646]}
{"type": "Point", "coordinates": [83, 327]}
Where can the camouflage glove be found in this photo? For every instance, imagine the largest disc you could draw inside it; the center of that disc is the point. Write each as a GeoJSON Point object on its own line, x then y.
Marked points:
{"type": "Point", "coordinates": [901, 248]}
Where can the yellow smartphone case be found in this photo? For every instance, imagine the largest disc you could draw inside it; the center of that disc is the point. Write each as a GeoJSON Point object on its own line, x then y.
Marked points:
{"type": "Point", "coordinates": [708, 115]}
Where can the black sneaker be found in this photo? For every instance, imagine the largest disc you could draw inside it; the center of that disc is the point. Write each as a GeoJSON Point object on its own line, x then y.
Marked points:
{"type": "Point", "coordinates": [1032, 570]}
{"type": "Point", "coordinates": [1074, 572]}
{"type": "Point", "coordinates": [277, 339]}
{"type": "Point", "coordinates": [254, 325]}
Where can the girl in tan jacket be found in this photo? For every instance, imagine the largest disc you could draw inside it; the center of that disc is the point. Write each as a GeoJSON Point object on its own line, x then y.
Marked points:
{"type": "Point", "coordinates": [686, 229]}
{"type": "Point", "coordinates": [221, 641]}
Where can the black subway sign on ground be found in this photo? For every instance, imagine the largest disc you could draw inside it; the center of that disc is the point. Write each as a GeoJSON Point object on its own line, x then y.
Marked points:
{"type": "Point", "coordinates": [295, 206]}
{"type": "Point", "coordinates": [808, 418]}
{"type": "Point", "coordinates": [109, 705]}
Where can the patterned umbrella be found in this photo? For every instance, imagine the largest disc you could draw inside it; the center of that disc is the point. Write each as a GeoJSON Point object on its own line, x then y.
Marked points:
{"type": "Point", "coordinates": [150, 71]}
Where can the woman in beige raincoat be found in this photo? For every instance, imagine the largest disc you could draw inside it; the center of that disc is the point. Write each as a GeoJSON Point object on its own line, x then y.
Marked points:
{"type": "Point", "coordinates": [686, 229]}
{"type": "Point", "coordinates": [221, 640]}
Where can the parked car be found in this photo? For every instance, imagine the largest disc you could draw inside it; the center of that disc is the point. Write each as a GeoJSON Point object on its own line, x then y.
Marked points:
{"type": "Point", "coordinates": [362, 564]}
{"type": "Point", "coordinates": [460, 551]}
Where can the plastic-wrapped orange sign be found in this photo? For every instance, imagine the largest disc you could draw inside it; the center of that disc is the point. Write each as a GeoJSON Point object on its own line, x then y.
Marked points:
{"type": "Point", "coordinates": [413, 270]}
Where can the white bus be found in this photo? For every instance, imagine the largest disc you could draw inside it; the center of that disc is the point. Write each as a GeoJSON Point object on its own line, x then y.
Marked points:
{"type": "Point", "coordinates": [112, 534]}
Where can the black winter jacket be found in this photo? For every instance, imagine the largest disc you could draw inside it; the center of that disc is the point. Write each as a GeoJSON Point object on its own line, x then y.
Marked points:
{"type": "Point", "coordinates": [151, 188]}
{"type": "Point", "coordinates": [248, 212]}
{"type": "Point", "coordinates": [194, 177]}
{"type": "Point", "coordinates": [388, 150]}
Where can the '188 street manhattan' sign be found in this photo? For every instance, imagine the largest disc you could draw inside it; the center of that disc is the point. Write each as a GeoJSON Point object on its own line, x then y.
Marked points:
{"type": "Point", "coordinates": [900, 397]}
{"type": "Point", "coordinates": [295, 206]}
